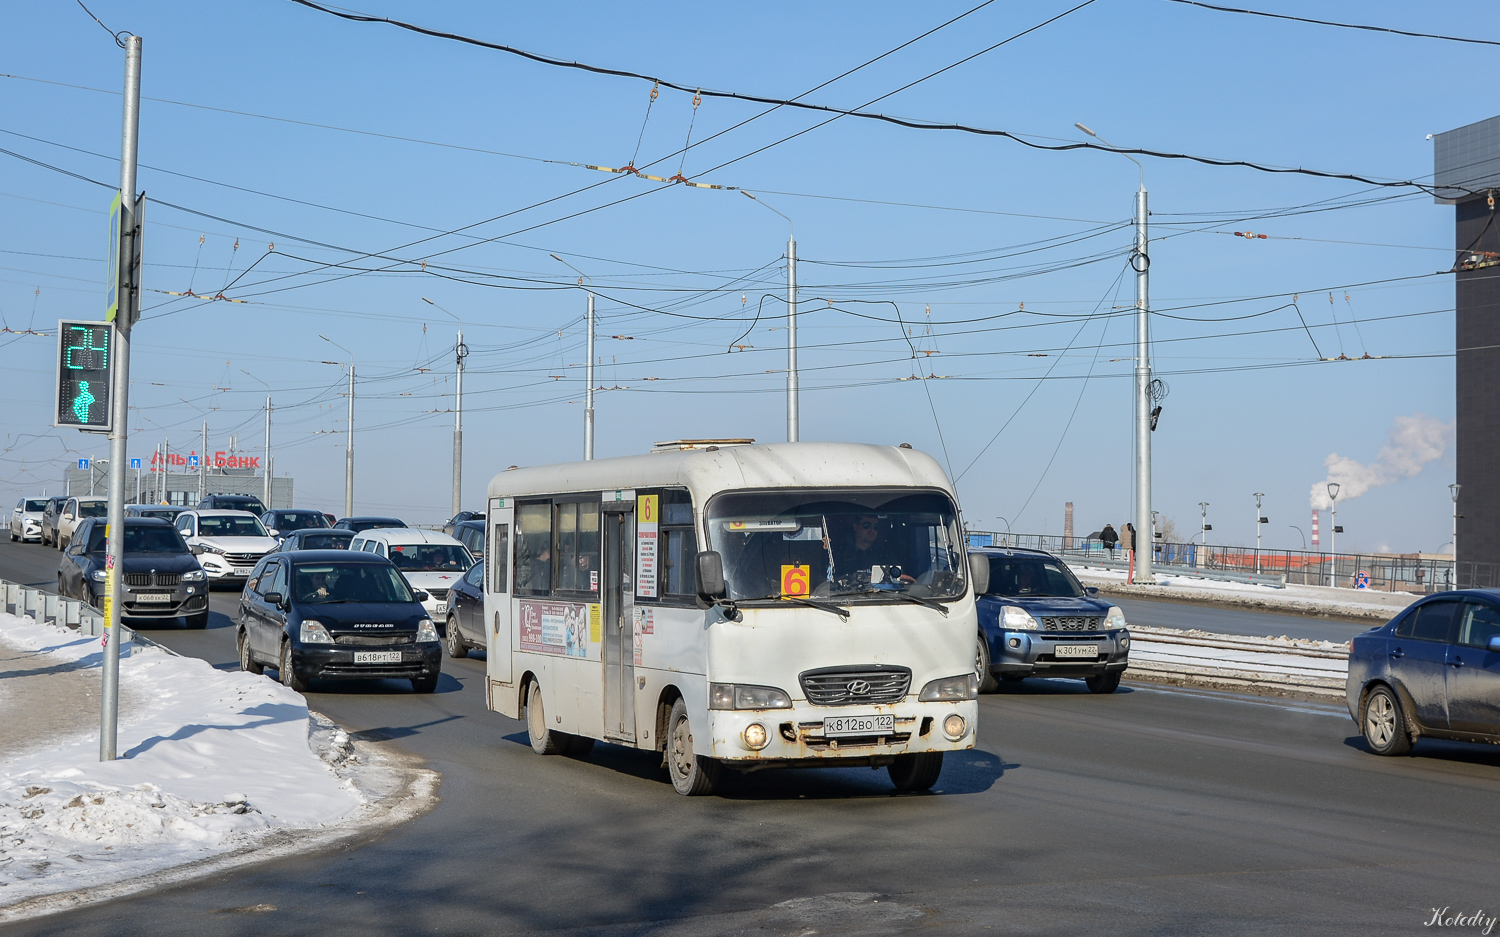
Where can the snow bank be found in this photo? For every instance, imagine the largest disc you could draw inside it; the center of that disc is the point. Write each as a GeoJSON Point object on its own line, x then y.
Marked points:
{"type": "Point", "coordinates": [1321, 600]}
{"type": "Point", "coordinates": [211, 762]}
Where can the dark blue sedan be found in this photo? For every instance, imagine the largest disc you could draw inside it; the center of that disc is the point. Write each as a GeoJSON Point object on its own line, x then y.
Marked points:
{"type": "Point", "coordinates": [1432, 670]}
{"type": "Point", "coordinates": [1036, 619]}
{"type": "Point", "coordinates": [336, 614]}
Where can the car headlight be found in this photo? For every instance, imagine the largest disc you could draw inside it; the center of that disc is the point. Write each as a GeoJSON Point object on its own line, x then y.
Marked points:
{"type": "Point", "coordinates": [210, 548]}
{"type": "Point", "coordinates": [97, 575]}
{"type": "Point", "coordinates": [194, 575]}
{"type": "Point", "coordinates": [1114, 619]}
{"type": "Point", "coordinates": [1017, 619]}
{"type": "Point", "coordinates": [950, 688]}
{"type": "Point", "coordinates": [737, 696]}
{"type": "Point", "coordinates": [313, 632]}
{"type": "Point", "coordinates": [426, 631]}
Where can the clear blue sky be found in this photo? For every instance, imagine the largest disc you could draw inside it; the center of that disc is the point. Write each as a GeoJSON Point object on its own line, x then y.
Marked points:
{"type": "Point", "coordinates": [998, 225]}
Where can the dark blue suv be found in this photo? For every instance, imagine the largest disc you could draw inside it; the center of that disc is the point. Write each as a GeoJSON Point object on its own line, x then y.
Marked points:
{"type": "Point", "coordinates": [1036, 620]}
{"type": "Point", "coordinates": [1432, 670]}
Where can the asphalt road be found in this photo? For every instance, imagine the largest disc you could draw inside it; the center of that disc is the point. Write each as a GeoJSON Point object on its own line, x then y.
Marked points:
{"type": "Point", "coordinates": [1153, 810]}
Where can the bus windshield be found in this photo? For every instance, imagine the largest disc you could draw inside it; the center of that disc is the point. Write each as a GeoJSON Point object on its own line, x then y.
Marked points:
{"type": "Point", "coordinates": [851, 544]}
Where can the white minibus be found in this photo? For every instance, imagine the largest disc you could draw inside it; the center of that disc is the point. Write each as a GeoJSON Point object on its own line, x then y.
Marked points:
{"type": "Point", "coordinates": [736, 606]}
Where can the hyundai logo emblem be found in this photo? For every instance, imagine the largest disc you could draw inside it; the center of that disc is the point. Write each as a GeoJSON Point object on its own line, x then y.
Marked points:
{"type": "Point", "coordinates": [857, 687]}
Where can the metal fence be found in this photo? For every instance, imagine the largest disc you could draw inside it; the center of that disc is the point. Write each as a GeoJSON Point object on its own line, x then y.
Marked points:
{"type": "Point", "coordinates": [43, 606]}
{"type": "Point", "coordinates": [1385, 572]}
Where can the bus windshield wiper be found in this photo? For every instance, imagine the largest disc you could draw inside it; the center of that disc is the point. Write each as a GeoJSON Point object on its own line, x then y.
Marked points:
{"type": "Point", "coordinates": [907, 596]}
{"type": "Point", "coordinates": [801, 600]}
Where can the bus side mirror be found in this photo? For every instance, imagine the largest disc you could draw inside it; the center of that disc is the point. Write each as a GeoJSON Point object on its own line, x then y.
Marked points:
{"type": "Point", "coordinates": [710, 576]}
{"type": "Point", "coordinates": [979, 572]}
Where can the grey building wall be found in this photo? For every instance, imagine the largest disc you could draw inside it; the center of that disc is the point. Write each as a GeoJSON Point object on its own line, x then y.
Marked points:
{"type": "Point", "coordinates": [1477, 391]}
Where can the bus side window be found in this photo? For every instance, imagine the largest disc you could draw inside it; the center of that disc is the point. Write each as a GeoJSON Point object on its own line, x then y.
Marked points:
{"type": "Point", "coordinates": [497, 557]}
{"type": "Point", "coordinates": [577, 546]}
{"type": "Point", "coordinates": [534, 548]}
{"type": "Point", "coordinates": [679, 546]}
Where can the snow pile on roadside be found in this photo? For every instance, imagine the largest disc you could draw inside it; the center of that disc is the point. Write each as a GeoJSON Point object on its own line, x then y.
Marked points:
{"type": "Point", "coordinates": [1356, 603]}
{"type": "Point", "coordinates": [215, 762]}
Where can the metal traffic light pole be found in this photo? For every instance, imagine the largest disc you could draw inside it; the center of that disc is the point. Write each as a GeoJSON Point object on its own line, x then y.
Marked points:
{"type": "Point", "coordinates": [129, 305]}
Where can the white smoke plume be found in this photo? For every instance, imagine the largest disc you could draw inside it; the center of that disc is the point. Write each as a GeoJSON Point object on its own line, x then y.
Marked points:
{"type": "Point", "coordinates": [1415, 441]}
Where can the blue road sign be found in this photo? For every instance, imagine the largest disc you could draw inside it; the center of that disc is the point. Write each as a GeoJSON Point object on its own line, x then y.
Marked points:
{"type": "Point", "coordinates": [135, 463]}
{"type": "Point", "coordinates": [192, 461]}
{"type": "Point", "coordinates": [83, 464]}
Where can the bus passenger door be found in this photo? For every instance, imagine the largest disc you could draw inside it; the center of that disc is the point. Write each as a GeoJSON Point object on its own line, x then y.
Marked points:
{"type": "Point", "coordinates": [495, 622]}
{"type": "Point", "coordinates": [619, 632]}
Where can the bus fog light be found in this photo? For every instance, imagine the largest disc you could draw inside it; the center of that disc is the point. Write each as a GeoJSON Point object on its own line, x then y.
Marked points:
{"type": "Point", "coordinates": [756, 737]}
{"type": "Point", "coordinates": [955, 727]}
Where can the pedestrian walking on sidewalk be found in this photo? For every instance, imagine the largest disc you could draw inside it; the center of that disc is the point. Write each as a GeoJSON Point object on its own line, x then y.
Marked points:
{"type": "Point", "coordinates": [1127, 541]}
{"type": "Point", "coordinates": [1109, 538]}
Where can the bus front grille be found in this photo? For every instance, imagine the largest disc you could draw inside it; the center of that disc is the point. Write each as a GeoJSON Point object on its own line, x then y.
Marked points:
{"type": "Point", "coordinates": [858, 685]}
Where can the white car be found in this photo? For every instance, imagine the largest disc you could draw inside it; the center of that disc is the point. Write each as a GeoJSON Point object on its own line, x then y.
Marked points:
{"type": "Point", "coordinates": [73, 514]}
{"type": "Point", "coordinates": [430, 561]}
{"type": "Point", "coordinates": [228, 543]}
{"type": "Point", "coordinates": [26, 520]}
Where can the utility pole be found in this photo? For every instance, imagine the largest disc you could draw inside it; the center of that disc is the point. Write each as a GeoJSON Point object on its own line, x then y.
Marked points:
{"type": "Point", "coordinates": [203, 465]}
{"type": "Point", "coordinates": [1258, 521]}
{"type": "Point", "coordinates": [129, 304]}
{"type": "Point", "coordinates": [460, 352]}
{"type": "Point", "coordinates": [588, 397]}
{"type": "Point", "coordinates": [349, 450]}
{"type": "Point", "coordinates": [266, 470]}
{"type": "Point", "coordinates": [1453, 490]}
{"type": "Point", "coordinates": [793, 416]}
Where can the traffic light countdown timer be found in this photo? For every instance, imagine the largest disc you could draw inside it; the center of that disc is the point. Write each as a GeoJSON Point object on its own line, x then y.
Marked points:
{"type": "Point", "coordinates": [85, 357]}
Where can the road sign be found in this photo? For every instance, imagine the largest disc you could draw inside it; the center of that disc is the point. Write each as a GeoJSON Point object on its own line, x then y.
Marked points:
{"type": "Point", "coordinates": [83, 465]}
{"type": "Point", "coordinates": [124, 279]}
{"type": "Point", "coordinates": [135, 463]}
{"type": "Point", "coordinates": [1362, 580]}
{"type": "Point", "coordinates": [85, 369]}
{"type": "Point", "coordinates": [192, 461]}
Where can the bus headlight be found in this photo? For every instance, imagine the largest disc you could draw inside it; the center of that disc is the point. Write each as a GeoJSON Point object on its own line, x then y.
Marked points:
{"type": "Point", "coordinates": [313, 632]}
{"type": "Point", "coordinates": [740, 696]}
{"type": "Point", "coordinates": [965, 686]}
{"type": "Point", "coordinates": [1114, 619]}
{"type": "Point", "coordinates": [955, 727]}
{"type": "Point", "coordinates": [1013, 618]}
{"type": "Point", "coordinates": [756, 737]}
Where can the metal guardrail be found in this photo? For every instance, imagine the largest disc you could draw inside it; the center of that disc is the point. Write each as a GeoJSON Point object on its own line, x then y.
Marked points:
{"type": "Point", "coordinates": [1385, 572]}
{"type": "Point", "coordinates": [48, 607]}
{"type": "Point", "coordinates": [1082, 558]}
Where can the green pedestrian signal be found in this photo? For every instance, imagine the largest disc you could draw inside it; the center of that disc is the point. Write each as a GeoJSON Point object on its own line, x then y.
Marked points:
{"type": "Point", "coordinates": [84, 372]}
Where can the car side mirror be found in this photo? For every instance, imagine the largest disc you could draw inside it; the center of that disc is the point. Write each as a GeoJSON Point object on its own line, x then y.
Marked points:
{"type": "Point", "coordinates": [979, 572]}
{"type": "Point", "coordinates": [1091, 590]}
{"type": "Point", "coordinates": [420, 595]}
{"type": "Point", "coordinates": [1494, 644]}
{"type": "Point", "coordinates": [196, 549]}
{"type": "Point", "coordinates": [711, 576]}
{"type": "Point", "coordinates": [274, 598]}
{"type": "Point", "coordinates": [272, 532]}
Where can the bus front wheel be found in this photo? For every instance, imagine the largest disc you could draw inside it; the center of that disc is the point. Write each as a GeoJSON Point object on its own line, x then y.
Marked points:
{"type": "Point", "coordinates": [916, 772]}
{"type": "Point", "coordinates": [544, 741]}
{"type": "Point", "coordinates": [692, 774]}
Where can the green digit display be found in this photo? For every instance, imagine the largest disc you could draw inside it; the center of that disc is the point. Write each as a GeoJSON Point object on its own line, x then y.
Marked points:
{"type": "Point", "coordinates": [83, 374]}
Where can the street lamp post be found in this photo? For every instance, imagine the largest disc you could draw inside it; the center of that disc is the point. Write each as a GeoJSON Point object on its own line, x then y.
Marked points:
{"type": "Point", "coordinates": [793, 387]}
{"type": "Point", "coordinates": [349, 449]}
{"type": "Point", "coordinates": [1140, 261]}
{"type": "Point", "coordinates": [1203, 526]}
{"type": "Point", "coordinates": [1333, 532]}
{"type": "Point", "coordinates": [1453, 490]}
{"type": "Point", "coordinates": [588, 396]}
{"type": "Point", "coordinates": [1007, 528]}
